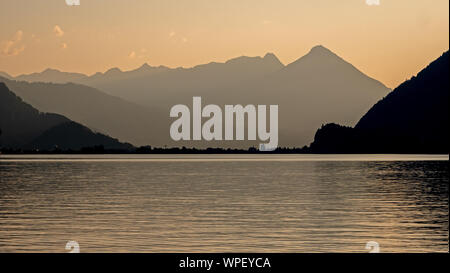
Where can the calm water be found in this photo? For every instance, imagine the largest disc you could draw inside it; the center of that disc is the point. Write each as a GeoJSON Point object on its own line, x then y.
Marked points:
{"type": "Point", "coordinates": [224, 203]}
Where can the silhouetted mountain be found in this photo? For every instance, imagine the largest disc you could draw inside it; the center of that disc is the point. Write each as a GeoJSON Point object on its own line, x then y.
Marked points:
{"type": "Point", "coordinates": [20, 122]}
{"type": "Point", "coordinates": [411, 119]}
{"type": "Point", "coordinates": [99, 111]}
{"type": "Point", "coordinates": [107, 79]}
{"type": "Point", "coordinates": [23, 126]}
{"type": "Point", "coordinates": [51, 75]}
{"type": "Point", "coordinates": [74, 136]}
{"type": "Point", "coordinates": [334, 138]}
{"type": "Point", "coordinates": [5, 75]}
{"type": "Point", "coordinates": [318, 88]}
{"type": "Point", "coordinates": [147, 83]}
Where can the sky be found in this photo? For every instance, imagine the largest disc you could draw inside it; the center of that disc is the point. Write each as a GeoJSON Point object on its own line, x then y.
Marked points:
{"type": "Point", "coordinates": [389, 40]}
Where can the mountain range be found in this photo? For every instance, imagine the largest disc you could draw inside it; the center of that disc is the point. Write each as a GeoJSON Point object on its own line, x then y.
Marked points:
{"type": "Point", "coordinates": [318, 88]}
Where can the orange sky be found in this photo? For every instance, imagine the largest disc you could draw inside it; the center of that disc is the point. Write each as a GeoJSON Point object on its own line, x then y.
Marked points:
{"type": "Point", "coordinates": [390, 42]}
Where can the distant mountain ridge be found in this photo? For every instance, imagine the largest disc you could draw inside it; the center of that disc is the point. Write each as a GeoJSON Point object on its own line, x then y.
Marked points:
{"type": "Point", "coordinates": [140, 85]}
{"type": "Point", "coordinates": [24, 127]}
{"type": "Point", "coordinates": [5, 75]}
{"type": "Point", "coordinates": [51, 75]}
{"type": "Point", "coordinates": [414, 118]}
{"type": "Point", "coordinates": [101, 112]}
{"type": "Point", "coordinates": [318, 88]}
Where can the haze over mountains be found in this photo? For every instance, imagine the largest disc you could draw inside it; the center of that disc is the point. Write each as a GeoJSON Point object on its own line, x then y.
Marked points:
{"type": "Point", "coordinates": [101, 112]}
{"type": "Point", "coordinates": [5, 75]}
{"type": "Point", "coordinates": [22, 126]}
{"type": "Point", "coordinates": [316, 89]}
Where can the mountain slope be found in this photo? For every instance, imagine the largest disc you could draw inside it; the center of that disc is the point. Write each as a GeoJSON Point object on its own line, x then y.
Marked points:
{"type": "Point", "coordinates": [74, 136]}
{"type": "Point", "coordinates": [412, 118]}
{"type": "Point", "coordinates": [23, 126]}
{"type": "Point", "coordinates": [319, 87]}
{"type": "Point", "coordinates": [99, 111]}
{"type": "Point", "coordinates": [5, 75]}
{"type": "Point", "coordinates": [421, 102]}
{"type": "Point", "coordinates": [20, 122]}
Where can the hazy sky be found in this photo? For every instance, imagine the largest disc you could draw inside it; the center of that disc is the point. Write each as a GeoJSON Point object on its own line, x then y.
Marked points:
{"type": "Point", "coordinates": [389, 42]}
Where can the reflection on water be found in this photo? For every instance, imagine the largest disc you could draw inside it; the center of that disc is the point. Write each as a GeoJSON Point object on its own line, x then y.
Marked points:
{"type": "Point", "coordinates": [224, 203]}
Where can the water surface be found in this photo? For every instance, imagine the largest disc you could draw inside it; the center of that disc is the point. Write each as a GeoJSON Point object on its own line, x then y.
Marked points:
{"type": "Point", "coordinates": [224, 203]}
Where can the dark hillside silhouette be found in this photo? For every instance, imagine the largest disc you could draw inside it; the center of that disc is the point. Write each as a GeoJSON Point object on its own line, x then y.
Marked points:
{"type": "Point", "coordinates": [20, 122]}
{"type": "Point", "coordinates": [25, 127]}
{"type": "Point", "coordinates": [74, 136]}
{"type": "Point", "coordinates": [334, 138]}
{"type": "Point", "coordinates": [95, 109]}
{"type": "Point", "coordinates": [411, 119]}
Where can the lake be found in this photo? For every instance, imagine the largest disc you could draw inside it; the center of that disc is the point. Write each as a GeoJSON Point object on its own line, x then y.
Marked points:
{"type": "Point", "coordinates": [224, 203]}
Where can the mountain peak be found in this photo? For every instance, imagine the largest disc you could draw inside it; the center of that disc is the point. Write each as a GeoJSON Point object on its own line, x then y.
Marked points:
{"type": "Point", "coordinates": [50, 70]}
{"type": "Point", "coordinates": [320, 49]}
{"type": "Point", "coordinates": [144, 66]}
{"type": "Point", "coordinates": [113, 70]}
{"type": "Point", "coordinates": [319, 55]}
{"type": "Point", "coordinates": [270, 55]}
{"type": "Point", "coordinates": [272, 58]}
